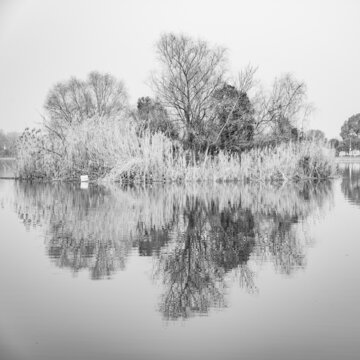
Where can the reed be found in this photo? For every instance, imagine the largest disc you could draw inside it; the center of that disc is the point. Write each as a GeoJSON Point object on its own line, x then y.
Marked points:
{"type": "Point", "coordinates": [290, 161]}
{"type": "Point", "coordinates": [110, 150]}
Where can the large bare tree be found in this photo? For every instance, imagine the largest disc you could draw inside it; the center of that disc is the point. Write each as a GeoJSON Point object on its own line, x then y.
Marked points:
{"type": "Point", "coordinates": [191, 72]}
{"type": "Point", "coordinates": [75, 100]}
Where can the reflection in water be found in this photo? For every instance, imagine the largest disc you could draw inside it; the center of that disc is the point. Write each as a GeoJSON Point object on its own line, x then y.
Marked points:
{"type": "Point", "coordinates": [7, 167]}
{"type": "Point", "coordinates": [350, 185]}
{"type": "Point", "coordinates": [208, 242]}
{"type": "Point", "coordinates": [197, 235]}
{"type": "Point", "coordinates": [93, 229]}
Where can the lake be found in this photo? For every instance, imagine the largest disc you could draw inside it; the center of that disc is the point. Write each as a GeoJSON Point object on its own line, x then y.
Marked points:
{"type": "Point", "coordinates": [7, 167]}
{"type": "Point", "coordinates": [217, 271]}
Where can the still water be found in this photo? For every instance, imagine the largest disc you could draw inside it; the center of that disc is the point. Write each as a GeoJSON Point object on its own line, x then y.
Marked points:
{"type": "Point", "coordinates": [180, 272]}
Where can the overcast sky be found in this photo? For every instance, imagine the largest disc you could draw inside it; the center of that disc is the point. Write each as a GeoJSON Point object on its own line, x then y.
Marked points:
{"type": "Point", "coordinates": [43, 42]}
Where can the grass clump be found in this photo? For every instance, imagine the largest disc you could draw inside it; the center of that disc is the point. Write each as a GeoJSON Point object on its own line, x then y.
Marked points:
{"type": "Point", "coordinates": [290, 161]}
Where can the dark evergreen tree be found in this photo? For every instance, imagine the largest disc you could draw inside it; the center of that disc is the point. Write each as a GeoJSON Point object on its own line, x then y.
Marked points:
{"type": "Point", "coordinates": [152, 116]}
{"type": "Point", "coordinates": [234, 118]}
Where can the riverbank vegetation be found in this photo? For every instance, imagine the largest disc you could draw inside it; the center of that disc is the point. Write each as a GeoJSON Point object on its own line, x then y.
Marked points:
{"type": "Point", "coordinates": [113, 151]}
{"type": "Point", "coordinates": [201, 126]}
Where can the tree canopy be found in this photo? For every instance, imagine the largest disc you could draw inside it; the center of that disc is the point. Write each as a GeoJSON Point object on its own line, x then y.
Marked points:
{"type": "Point", "coordinates": [74, 100]}
{"type": "Point", "coordinates": [191, 71]}
{"type": "Point", "coordinates": [234, 118]}
{"type": "Point", "coordinates": [151, 116]}
{"type": "Point", "coordinates": [351, 128]}
{"type": "Point", "coordinates": [280, 112]}
{"type": "Point", "coordinates": [350, 133]}
{"type": "Point", "coordinates": [315, 134]}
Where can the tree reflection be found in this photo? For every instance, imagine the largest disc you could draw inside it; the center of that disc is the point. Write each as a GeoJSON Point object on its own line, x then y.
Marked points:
{"type": "Point", "coordinates": [283, 244]}
{"type": "Point", "coordinates": [94, 229]}
{"type": "Point", "coordinates": [197, 235]}
{"type": "Point", "coordinates": [193, 281]}
{"type": "Point", "coordinates": [350, 184]}
{"type": "Point", "coordinates": [211, 240]}
{"type": "Point", "coordinates": [208, 244]}
{"type": "Point", "coordinates": [233, 235]}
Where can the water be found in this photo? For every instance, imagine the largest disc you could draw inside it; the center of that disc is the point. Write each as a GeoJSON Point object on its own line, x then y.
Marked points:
{"type": "Point", "coordinates": [7, 167]}
{"type": "Point", "coordinates": [180, 272]}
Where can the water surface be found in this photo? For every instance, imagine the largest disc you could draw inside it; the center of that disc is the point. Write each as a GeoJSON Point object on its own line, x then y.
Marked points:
{"type": "Point", "coordinates": [173, 272]}
{"type": "Point", "coordinates": [7, 167]}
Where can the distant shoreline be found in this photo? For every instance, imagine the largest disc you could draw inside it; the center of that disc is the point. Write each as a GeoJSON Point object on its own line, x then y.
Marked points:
{"type": "Point", "coordinates": [348, 159]}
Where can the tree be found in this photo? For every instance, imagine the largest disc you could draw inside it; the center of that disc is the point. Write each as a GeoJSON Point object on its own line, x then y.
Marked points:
{"type": "Point", "coordinates": [74, 101]}
{"type": "Point", "coordinates": [234, 117]}
{"type": "Point", "coordinates": [315, 134]}
{"type": "Point", "coordinates": [191, 72]}
{"type": "Point", "coordinates": [280, 112]}
{"type": "Point", "coordinates": [283, 130]}
{"type": "Point", "coordinates": [350, 132]}
{"type": "Point", "coordinates": [152, 116]}
{"type": "Point", "coordinates": [334, 143]}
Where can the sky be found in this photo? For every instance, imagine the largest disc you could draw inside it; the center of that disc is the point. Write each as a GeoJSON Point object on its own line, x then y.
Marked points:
{"type": "Point", "coordinates": [43, 42]}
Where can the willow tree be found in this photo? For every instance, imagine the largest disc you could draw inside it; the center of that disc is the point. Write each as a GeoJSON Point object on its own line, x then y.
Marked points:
{"type": "Point", "coordinates": [191, 72]}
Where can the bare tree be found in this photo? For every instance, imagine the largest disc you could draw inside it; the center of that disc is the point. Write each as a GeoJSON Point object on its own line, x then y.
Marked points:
{"type": "Point", "coordinates": [74, 101]}
{"type": "Point", "coordinates": [246, 79]}
{"type": "Point", "coordinates": [191, 72]}
{"type": "Point", "coordinates": [284, 108]}
{"type": "Point", "coordinates": [107, 95]}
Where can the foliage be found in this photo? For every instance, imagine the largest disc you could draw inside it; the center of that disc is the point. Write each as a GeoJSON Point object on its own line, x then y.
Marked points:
{"type": "Point", "coordinates": [112, 150]}
{"type": "Point", "coordinates": [213, 114]}
{"type": "Point", "coordinates": [315, 134]}
{"type": "Point", "coordinates": [234, 119]}
{"type": "Point", "coordinates": [290, 161]}
{"type": "Point", "coordinates": [97, 147]}
{"type": "Point", "coordinates": [199, 128]}
{"type": "Point", "coordinates": [335, 144]}
{"type": "Point", "coordinates": [284, 131]}
{"type": "Point", "coordinates": [152, 116]}
{"type": "Point", "coordinates": [36, 155]}
{"type": "Point", "coordinates": [351, 127]}
{"type": "Point", "coordinates": [350, 133]}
